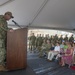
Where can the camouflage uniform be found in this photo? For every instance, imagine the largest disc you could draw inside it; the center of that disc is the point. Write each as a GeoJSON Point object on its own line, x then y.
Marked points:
{"type": "Point", "coordinates": [39, 42]}
{"type": "Point", "coordinates": [71, 39]}
{"type": "Point", "coordinates": [66, 38]}
{"type": "Point", "coordinates": [48, 46]}
{"type": "Point", "coordinates": [55, 38]}
{"type": "Point", "coordinates": [60, 39]}
{"type": "Point", "coordinates": [36, 41]}
{"type": "Point", "coordinates": [43, 48]}
{"type": "Point", "coordinates": [3, 35]}
{"type": "Point", "coordinates": [32, 41]}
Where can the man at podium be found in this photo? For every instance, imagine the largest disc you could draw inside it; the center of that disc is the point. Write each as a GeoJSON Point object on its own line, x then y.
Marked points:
{"type": "Point", "coordinates": [3, 34]}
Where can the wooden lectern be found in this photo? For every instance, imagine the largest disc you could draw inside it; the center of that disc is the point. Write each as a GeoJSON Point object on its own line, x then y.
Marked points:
{"type": "Point", "coordinates": [16, 49]}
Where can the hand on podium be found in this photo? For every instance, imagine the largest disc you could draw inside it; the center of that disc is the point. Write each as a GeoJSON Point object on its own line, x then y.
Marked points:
{"type": "Point", "coordinates": [11, 30]}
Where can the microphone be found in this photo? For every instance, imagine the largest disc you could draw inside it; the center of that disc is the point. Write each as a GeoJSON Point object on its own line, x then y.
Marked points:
{"type": "Point", "coordinates": [16, 23]}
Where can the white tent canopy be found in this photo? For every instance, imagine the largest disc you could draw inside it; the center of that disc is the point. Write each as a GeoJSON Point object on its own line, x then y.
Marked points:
{"type": "Point", "coordinates": [55, 14]}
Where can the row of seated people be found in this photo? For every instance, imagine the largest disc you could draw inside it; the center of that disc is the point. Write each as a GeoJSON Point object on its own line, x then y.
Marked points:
{"type": "Point", "coordinates": [64, 51]}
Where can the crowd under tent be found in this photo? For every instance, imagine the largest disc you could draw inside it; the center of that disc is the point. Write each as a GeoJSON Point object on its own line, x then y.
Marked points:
{"type": "Point", "coordinates": [43, 14]}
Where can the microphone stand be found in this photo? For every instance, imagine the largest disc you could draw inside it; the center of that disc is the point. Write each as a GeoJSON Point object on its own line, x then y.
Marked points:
{"type": "Point", "coordinates": [16, 23]}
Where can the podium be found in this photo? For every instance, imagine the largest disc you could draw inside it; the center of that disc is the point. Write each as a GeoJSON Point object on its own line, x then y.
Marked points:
{"type": "Point", "coordinates": [16, 57]}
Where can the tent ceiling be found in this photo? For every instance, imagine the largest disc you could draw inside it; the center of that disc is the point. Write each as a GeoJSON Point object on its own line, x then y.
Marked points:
{"type": "Point", "coordinates": [3, 2]}
{"type": "Point", "coordinates": [42, 13]}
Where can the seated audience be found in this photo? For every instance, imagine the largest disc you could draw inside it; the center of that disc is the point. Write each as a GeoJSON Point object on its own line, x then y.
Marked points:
{"type": "Point", "coordinates": [67, 57]}
{"type": "Point", "coordinates": [56, 50]}
{"type": "Point", "coordinates": [58, 57]}
{"type": "Point", "coordinates": [73, 53]}
{"type": "Point", "coordinates": [43, 48]}
{"type": "Point", "coordinates": [52, 48]}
